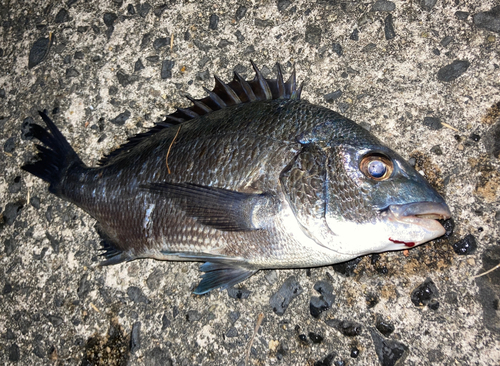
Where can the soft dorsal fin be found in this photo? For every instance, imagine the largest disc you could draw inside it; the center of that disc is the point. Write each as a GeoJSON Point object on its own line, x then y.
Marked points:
{"type": "Point", "coordinates": [223, 95]}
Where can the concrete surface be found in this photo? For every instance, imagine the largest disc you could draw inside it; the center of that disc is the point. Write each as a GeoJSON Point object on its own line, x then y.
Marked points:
{"type": "Point", "coordinates": [57, 307]}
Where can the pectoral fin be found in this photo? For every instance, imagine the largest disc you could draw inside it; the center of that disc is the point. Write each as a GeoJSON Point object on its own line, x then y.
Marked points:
{"type": "Point", "coordinates": [217, 207]}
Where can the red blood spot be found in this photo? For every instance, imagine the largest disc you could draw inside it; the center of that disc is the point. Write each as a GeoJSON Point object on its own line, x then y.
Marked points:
{"type": "Point", "coordinates": [410, 244]}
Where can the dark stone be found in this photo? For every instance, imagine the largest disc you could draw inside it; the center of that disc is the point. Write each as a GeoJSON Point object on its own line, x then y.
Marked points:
{"type": "Point", "coordinates": [234, 315]}
{"type": "Point", "coordinates": [55, 320]}
{"type": "Point", "coordinates": [491, 140]}
{"type": "Point", "coordinates": [201, 46]}
{"type": "Point", "coordinates": [203, 75]}
{"type": "Point", "coordinates": [113, 90]}
{"type": "Point", "coordinates": [317, 305]}
{"type": "Point", "coordinates": [126, 79]}
{"type": "Point", "coordinates": [14, 354]}
{"type": "Point", "coordinates": [67, 60]}
{"type": "Point", "coordinates": [9, 246]}
{"type": "Point", "coordinates": [48, 213]}
{"type": "Point", "coordinates": [389, 352]}
{"type": "Point", "coordinates": [354, 352]}
{"type": "Point", "coordinates": [371, 300]}
{"type": "Point", "coordinates": [121, 118]}
{"type": "Point", "coordinates": [330, 97]}
{"type": "Point", "coordinates": [354, 35]}
{"type": "Point", "coordinates": [313, 35]}
{"type": "Point", "coordinates": [109, 19]}
{"type": "Point", "coordinates": [433, 305]}
{"type": "Point", "coordinates": [489, 20]}
{"type": "Point", "coordinates": [153, 59]}
{"type": "Point", "coordinates": [72, 72]}
{"type": "Point", "coordinates": [383, 326]}
{"type": "Point", "coordinates": [433, 123]}
{"type": "Point", "coordinates": [166, 69]}
{"type": "Point", "coordinates": [130, 9]}
{"type": "Point", "coordinates": [240, 37]}
{"type": "Point", "coordinates": [26, 129]}
{"type": "Point", "coordinates": [263, 23]}
{"type": "Point", "coordinates": [346, 327]}
{"type": "Point", "coordinates": [240, 13]}
{"type": "Point", "coordinates": [462, 15]}
{"type": "Point", "coordinates": [160, 42]}
{"type": "Point", "coordinates": [11, 211]}
{"type": "Point", "coordinates": [39, 51]}
{"type": "Point", "coordinates": [283, 4]}
{"type": "Point", "coordinates": [165, 322]}
{"type": "Point", "coordinates": [224, 43]}
{"type": "Point", "coordinates": [138, 65]}
{"type": "Point", "coordinates": [383, 5]}
{"type": "Point", "coordinates": [280, 300]}
{"type": "Point", "coordinates": [7, 289]}
{"type": "Point", "coordinates": [16, 185]}
{"type": "Point", "coordinates": [84, 287]}
{"type": "Point", "coordinates": [424, 293]}
{"type": "Point", "coordinates": [79, 55]}
{"type": "Point", "coordinates": [135, 337]}
{"type": "Point", "coordinates": [489, 289]}
{"type": "Point", "coordinates": [369, 47]}
{"type": "Point", "coordinates": [214, 21]}
{"type": "Point", "coordinates": [158, 11]}
{"type": "Point", "coordinates": [449, 226]}
{"type": "Point", "coordinates": [327, 361]}
{"type": "Point", "coordinates": [153, 280]}
{"type": "Point", "coordinates": [347, 268]}
{"type": "Point", "coordinates": [337, 48]}
{"type": "Point", "coordinates": [193, 316]}
{"type": "Point", "coordinates": [157, 357]}
{"type": "Point", "coordinates": [187, 36]}
{"type": "Point", "coordinates": [143, 9]}
{"type": "Point", "coordinates": [2, 93]}
{"type": "Point", "coordinates": [453, 71]}
{"type": "Point", "coordinates": [146, 40]}
{"type": "Point", "coordinates": [446, 41]}
{"type": "Point", "coordinates": [465, 246]}
{"type": "Point", "coordinates": [10, 145]}
{"type": "Point", "coordinates": [436, 52]}
{"type": "Point", "coordinates": [136, 295]}
{"type": "Point", "coordinates": [427, 4]}
{"type": "Point", "coordinates": [315, 338]}
{"type": "Point", "coordinates": [389, 31]}
{"type": "Point", "coordinates": [62, 16]}
{"type": "Point", "coordinates": [475, 137]}
{"type": "Point", "coordinates": [232, 332]}
{"type": "Point", "coordinates": [436, 150]}
{"type": "Point", "coordinates": [238, 293]}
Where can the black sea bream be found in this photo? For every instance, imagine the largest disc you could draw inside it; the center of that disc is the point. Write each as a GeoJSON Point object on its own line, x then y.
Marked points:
{"type": "Point", "coordinates": [250, 177]}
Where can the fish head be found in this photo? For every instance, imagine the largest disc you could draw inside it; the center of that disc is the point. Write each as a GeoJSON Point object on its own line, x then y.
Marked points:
{"type": "Point", "coordinates": [378, 202]}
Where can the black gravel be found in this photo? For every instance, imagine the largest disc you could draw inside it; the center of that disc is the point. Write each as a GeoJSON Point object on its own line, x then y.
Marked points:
{"type": "Point", "coordinates": [425, 293]}
{"type": "Point", "coordinates": [433, 123]}
{"type": "Point", "coordinates": [489, 20]}
{"type": "Point", "coordinates": [12, 209]}
{"type": "Point", "coordinates": [427, 4]}
{"type": "Point", "coordinates": [160, 42]}
{"type": "Point", "coordinates": [389, 31]}
{"type": "Point", "coordinates": [39, 51]}
{"type": "Point", "coordinates": [491, 140]}
{"type": "Point", "coordinates": [383, 5]}
{"type": "Point", "coordinates": [313, 35]}
{"type": "Point", "coordinates": [465, 246]}
{"type": "Point", "coordinates": [121, 118]}
{"type": "Point", "coordinates": [135, 337]}
{"type": "Point", "coordinates": [337, 48]}
{"type": "Point", "coordinates": [453, 71]}
{"type": "Point", "coordinates": [330, 97]}
{"type": "Point", "coordinates": [383, 326]}
{"type": "Point", "coordinates": [214, 22]}
{"type": "Point", "coordinates": [280, 300]}
{"type": "Point", "coordinates": [240, 13]}
{"type": "Point", "coordinates": [346, 327]}
{"type": "Point", "coordinates": [166, 69]}
{"type": "Point", "coordinates": [389, 352]}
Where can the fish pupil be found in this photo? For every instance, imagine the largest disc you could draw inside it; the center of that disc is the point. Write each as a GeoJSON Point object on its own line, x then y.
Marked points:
{"type": "Point", "coordinates": [377, 169]}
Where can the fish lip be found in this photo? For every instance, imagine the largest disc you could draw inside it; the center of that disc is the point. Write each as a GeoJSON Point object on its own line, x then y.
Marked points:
{"type": "Point", "coordinates": [422, 217]}
{"type": "Point", "coordinates": [421, 210]}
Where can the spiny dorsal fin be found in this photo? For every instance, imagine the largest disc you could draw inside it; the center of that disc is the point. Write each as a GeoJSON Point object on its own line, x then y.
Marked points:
{"type": "Point", "coordinates": [223, 95]}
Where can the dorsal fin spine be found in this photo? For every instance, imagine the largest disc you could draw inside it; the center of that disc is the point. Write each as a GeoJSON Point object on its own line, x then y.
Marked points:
{"type": "Point", "coordinates": [223, 95]}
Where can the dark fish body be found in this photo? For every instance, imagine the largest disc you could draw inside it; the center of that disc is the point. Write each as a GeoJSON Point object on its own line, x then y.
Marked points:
{"type": "Point", "coordinates": [248, 178]}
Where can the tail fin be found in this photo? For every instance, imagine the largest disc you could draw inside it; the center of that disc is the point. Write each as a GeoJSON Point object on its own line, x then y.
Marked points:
{"type": "Point", "coordinates": [55, 158]}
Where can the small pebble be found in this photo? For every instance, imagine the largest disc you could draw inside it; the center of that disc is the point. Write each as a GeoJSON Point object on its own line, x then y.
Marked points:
{"type": "Point", "coordinates": [214, 21]}
{"type": "Point", "coordinates": [389, 352]}
{"type": "Point", "coordinates": [466, 245]}
{"type": "Point", "coordinates": [424, 293]}
{"type": "Point", "coordinates": [452, 71]}
{"type": "Point", "coordinates": [135, 337]}
{"type": "Point", "coordinates": [280, 300]}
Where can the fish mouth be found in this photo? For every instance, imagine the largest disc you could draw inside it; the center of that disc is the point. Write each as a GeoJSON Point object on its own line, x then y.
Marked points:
{"type": "Point", "coordinates": [417, 222]}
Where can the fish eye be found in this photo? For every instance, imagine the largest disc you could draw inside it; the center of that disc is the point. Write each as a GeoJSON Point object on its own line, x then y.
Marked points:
{"type": "Point", "coordinates": [376, 166]}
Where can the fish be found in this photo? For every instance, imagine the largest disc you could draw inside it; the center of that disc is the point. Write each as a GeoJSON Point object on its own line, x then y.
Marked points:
{"type": "Point", "coordinates": [250, 177]}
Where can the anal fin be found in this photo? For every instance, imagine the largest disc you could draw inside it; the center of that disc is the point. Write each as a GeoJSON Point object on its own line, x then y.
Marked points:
{"type": "Point", "coordinates": [221, 275]}
{"type": "Point", "coordinates": [110, 251]}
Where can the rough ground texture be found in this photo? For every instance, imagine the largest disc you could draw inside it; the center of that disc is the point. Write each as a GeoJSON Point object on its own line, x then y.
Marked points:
{"type": "Point", "coordinates": [422, 75]}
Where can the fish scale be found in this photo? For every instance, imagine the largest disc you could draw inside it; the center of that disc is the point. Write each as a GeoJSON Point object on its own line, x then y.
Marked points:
{"type": "Point", "coordinates": [250, 177]}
